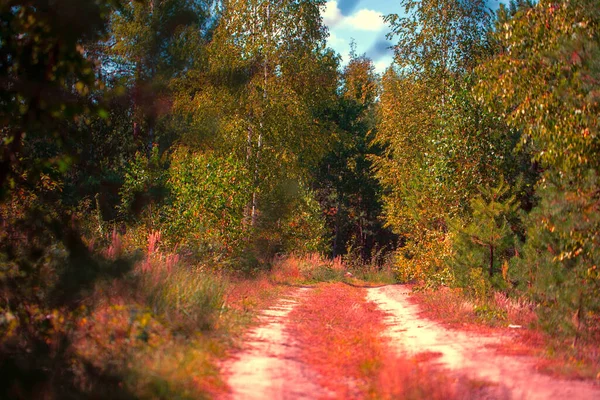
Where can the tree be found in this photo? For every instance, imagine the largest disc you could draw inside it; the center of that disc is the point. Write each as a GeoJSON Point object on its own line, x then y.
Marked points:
{"type": "Point", "coordinates": [154, 44]}
{"type": "Point", "coordinates": [47, 79]}
{"type": "Point", "coordinates": [554, 47]}
{"type": "Point", "coordinates": [345, 183]}
{"type": "Point", "coordinates": [257, 37]}
{"type": "Point", "coordinates": [487, 241]}
{"type": "Point", "coordinates": [440, 145]}
{"type": "Point", "coordinates": [46, 82]}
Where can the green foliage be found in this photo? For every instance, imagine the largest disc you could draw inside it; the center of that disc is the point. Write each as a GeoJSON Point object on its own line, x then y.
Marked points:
{"type": "Point", "coordinates": [561, 255]}
{"type": "Point", "coordinates": [345, 184]}
{"type": "Point", "coordinates": [491, 315]}
{"type": "Point", "coordinates": [152, 48]}
{"type": "Point", "coordinates": [187, 299]}
{"type": "Point", "coordinates": [439, 144]}
{"type": "Point", "coordinates": [144, 186]}
{"type": "Point", "coordinates": [46, 84]}
{"type": "Point", "coordinates": [555, 48]}
{"type": "Point", "coordinates": [423, 259]}
{"type": "Point", "coordinates": [290, 221]}
{"type": "Point", "coordinates": [208, 196]}
{"type": "Point", "coordinates": [487, 241]}
{"type": "Point", "coordinates": [324, 273]}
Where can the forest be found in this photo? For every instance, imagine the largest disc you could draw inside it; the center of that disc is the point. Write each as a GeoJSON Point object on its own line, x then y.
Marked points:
{"type": "Point", "coordinates": [160, 158]}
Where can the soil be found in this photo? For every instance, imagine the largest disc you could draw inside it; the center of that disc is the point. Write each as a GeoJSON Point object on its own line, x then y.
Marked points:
{"type": "Point", "coordinates": [469, 354]}
{"type": "Point", "coordinates": [268, 367]}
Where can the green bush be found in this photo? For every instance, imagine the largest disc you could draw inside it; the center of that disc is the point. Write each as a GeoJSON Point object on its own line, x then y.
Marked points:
{"type": "Point", "coordinates": [208, 196]}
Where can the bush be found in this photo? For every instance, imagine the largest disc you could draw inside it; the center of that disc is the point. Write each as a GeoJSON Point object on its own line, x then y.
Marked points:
{"type": "Point", "coordinates": [291, 221]}
{"type": "Point", "coordinates": [208, 196]}
{"type": "Point", "coordinates": [424, 259]}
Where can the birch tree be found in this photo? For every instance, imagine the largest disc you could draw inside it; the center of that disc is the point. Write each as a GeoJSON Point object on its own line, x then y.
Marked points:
{"type": "Point", "coordinates": [258, 42]}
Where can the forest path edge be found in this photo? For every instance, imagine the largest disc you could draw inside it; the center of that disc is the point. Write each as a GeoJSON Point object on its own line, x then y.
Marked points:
{"type": "Point", "coordinates": [268, 367]}
{"type": "Point", "coordinates": [470, 354]}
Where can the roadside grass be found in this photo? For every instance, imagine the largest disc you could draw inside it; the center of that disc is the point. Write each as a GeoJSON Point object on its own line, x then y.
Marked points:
{"type": "Point", "coordinates": [558, 356]}
{"type": "Point", "coordinates": [297, 269]}
{"type": "Point", "coordinates": [455, 309]}
{"type": "Point", "coordinates": [340, 335]}
{"type": "Point", "coordinates": [160, 332]}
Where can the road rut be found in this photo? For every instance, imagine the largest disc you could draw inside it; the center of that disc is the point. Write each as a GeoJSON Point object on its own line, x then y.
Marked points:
{"type": "Point", "coordinates": [268, 367]}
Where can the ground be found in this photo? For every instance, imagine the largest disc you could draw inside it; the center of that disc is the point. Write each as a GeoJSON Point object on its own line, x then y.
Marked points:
{"type": "Point", "coordinates": [272, 362]}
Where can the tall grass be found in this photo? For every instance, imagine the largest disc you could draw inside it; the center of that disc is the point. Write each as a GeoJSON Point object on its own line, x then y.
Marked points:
{"type": "Point", "coordinates": [188, 298]}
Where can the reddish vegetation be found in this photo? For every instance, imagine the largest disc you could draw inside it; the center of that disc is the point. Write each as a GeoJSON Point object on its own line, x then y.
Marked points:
{"type": "Point", "coordinates": [341, 338]}
{"type": "Point", "coordinates": [120, 334]}
{"type": "Point", "coordinates": [245, 295]}
{"type": "Point", "coordinates": [339, 335]}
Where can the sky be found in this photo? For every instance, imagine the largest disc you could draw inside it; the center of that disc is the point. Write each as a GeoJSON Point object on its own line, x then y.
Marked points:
{"type": "Point", "coordinates": [362, 21]}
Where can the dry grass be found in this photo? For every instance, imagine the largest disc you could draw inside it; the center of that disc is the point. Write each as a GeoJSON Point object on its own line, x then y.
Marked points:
{"type": "Point", "coordinates": [341, 338]}
{"type": "Point", "coordinates": [160, 332]}
{"type": "Point", "coordinates": [311, 269]}
{"type": "Point", "coordinates": [298, 270]}
{"type": "Point", "coordinates": [446, 305]}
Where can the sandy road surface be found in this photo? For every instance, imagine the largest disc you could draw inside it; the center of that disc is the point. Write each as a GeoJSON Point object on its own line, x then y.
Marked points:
{"type": "Point", "coordinates": [267, 368]}
{"type": "Point", "coordinates": [465, 353]}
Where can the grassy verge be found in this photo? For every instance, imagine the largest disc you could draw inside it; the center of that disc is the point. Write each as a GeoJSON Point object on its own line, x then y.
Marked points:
{"type": "Point", "coordinates": [558, 356]}
{"type": "Point", "coordinates": [160, 332]}
{"type": "Point", "coordinates": [341, 338]}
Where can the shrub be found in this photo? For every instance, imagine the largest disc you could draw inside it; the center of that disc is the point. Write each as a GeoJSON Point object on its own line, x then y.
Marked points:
{"type": "Point", "coordinates": [423, 259]}
{"type": "Point", "coordinates": [208, 194]}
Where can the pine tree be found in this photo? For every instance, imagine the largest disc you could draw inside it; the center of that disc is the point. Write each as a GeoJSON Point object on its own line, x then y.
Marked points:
{"type": "Point", "coordinates": [555, 48]}
{"type": "Point", "coordinates": [486, 242]}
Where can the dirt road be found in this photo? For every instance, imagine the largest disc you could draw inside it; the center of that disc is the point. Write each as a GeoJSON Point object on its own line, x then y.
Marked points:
{"type": "Point", "coordinates": [268, 368]}
{"type": "Point", "coordinates": [467, 353]}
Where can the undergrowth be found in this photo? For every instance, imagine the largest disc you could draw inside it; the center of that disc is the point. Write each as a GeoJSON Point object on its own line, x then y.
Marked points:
{"type": "Point", "coordinates": [305, 270]}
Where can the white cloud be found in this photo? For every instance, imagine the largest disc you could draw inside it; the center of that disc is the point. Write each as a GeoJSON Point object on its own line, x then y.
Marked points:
{"type": "Point", "coordinates": [332, 15]}
{"type": "Point", "coordinates": [335, 41]}
{"type": "Point", "coordinates": [362, 20]}
{"type": "Point", "coordinates": [365, 20]}
{"type": "Point", "coordinates": [382, 65]}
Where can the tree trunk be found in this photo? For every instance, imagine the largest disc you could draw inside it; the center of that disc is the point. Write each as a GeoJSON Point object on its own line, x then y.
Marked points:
{"type": "Point", "coordinates": [578, 320]}
{"type": "Point", "coordinates": [491, 260]}
{"type": "Point", "coordinates": [337, 227]}
{"type": "Point", "coordinates": [256, 181]}
{"type": "Point", "coordinates": [260, 133]}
